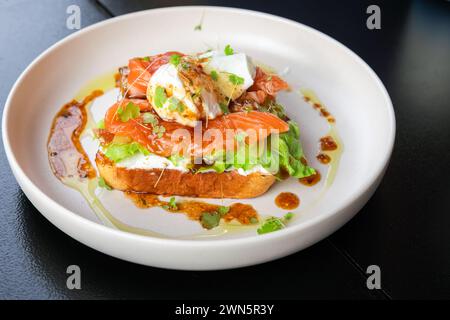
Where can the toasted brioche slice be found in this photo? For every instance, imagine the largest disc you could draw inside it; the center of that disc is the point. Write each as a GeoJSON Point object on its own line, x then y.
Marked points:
{"type": "Point", "coordinates": [174, 182]}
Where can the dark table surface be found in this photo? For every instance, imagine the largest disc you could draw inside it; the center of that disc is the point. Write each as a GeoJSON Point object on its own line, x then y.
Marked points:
{"type": "Point", "coordinates": [404, 228]}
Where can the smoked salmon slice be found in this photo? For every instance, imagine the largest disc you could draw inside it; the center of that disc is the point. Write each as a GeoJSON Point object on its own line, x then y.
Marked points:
{"type": "Point", "coordinates": [261, 124]}
{"type": "Point", "coordinates": [265, 86]}
{"type": "Point", "coordinates": [268, 83]}
{"type": "Point", "coordinates": [141, 70]}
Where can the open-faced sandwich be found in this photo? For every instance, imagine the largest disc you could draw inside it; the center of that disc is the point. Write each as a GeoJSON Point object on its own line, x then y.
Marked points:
{"type": "Point", "coordinates": [201, 125]}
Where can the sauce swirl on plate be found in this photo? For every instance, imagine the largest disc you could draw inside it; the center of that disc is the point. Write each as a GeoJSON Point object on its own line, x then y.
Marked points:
{"type": "Point", "coordinates": [66, 155]}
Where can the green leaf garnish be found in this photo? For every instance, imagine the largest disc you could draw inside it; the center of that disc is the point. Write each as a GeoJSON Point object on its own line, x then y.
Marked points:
{"type": "Point", "coordinates": [210, 220]}
{"type": "Point", "coordinates": [198, 27]}
{"type": "Point", "coordinates": [101, 124]}
{"type": "Point", "coordinates": [146, 59]}
{"type": "Point", "coordinates": [159, 131]}
{"type": "Point", "coordinates": [102, 184]}
{"type": "Point", "coordinates": [224, 108]}
{"type": "Point", "coordinates": [235, 79]}
{"type": "Point", "coordinates": [131, 111]}
{"type": "Point", "coordinates": [290, 153]}
{"type": "Point", "coordinates": [288, 216]}
{"type": "Point", "coordinates": [149, 118]}
{"type": "Point", "coordinates": [176, 159]}
{"type": "Point", "coordinates": [175, 59]}
{"type": "Point", "coordinates": [160, 97]}
{"type": "Point", "coordinates": [240, 136]}
{"type": "Point", "coordinates": [219, 166]}
{"type": "Point", "coordinates": [274, 224]}
{"type": "Point", "coordinates": [284, 153]}
{"type": "Point", "coordinates": [222, 210]}
{"type": "Point", "coordinates": [271, 225]}
{"type": "Point", "coordinates": [228, 50]}
{"type": "Point", "coordinates": [173, 204]}
{"type": "Point", "coordinates": [214, 75]}
{"type": "Point", "coordinates": [275, 108]}
{"type": "Point", "coordinates": [175, 105]}
{"type": "Point", "coordinates": [117, 152]}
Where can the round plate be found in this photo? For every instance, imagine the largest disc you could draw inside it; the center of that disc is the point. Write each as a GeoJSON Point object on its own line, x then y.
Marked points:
{"type": "Point", "coordinates": [307, 59]}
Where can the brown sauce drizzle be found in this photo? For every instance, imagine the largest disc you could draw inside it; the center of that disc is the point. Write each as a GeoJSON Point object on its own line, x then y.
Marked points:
{"type": "Point", "coordinates": [324, 158]}
{"type": "Point", "coordinates": [328, 144]}
{"type": "Point", "coordinates": [65, 153]}
{"type": "Point", "coordinates": [287, 201]}
{"type": "Point", "coordinates": [319, 107]}
{"type": "Point", "coordinates": [311, 180]}
{"type": "Point", "coordinates": [243, 213]}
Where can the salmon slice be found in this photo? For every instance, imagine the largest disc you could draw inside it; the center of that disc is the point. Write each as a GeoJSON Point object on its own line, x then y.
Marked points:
{"type": "Point", "coordinates": [265, 87]}
{"type": "Point", "coordinates": [176, 137]}
{"type": "Point", "coordinates": [269, 83]}
{"type": "Point", "coordinates": [141, 70]}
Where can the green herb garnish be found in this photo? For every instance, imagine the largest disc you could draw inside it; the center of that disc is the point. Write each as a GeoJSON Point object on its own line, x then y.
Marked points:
{"type": "Point", "coordinates": [236, 80]}
{"type": "Point", "coordinates": [102, 184]}
{"type": "Point", "coordinates": [101, 124]}
{"type": "Point", "coordinates": [214, 75]}
{"type": "Point", "coordinates": [271, 225]}
{"type": "Point", "coordinates": [131, 111]}
{"type": "Point", "coordinates": [159, 131]}
{"type": "Point", "coordinates": [160, 97]}
{"type": "Point", "coordinates": [274, 224]}
{"type": "Point", "coordinates": [224, 108]}
{"type": "Point", "coordinates": [288, 216]}
{"type": "Point", "coordinates": [173, 204]}
{"type": "Point", "coordinates": [175, 105]}
{"type": "Point", "coordinates": [175, 59]}
{"type": "Point", "coordinates": [222, 210]}
{"type": "Point", "coordinates": [146, 59]}
{"type": "Point", "coordinates": [210, 220]}
{"type": "Point", "coordinates": [228, 50]}
{"type": "Point", "coordinates": [149, 118]}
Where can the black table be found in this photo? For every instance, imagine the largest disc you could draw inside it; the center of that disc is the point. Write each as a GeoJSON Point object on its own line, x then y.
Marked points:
{"type": "Point", "coordinates": [403, 229]}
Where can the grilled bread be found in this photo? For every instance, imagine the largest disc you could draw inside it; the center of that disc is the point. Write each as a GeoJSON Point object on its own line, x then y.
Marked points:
{"type": "Point", "coordinates": [170, 182]}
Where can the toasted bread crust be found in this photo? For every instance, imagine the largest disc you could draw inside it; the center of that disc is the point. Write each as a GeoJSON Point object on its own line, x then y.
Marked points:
{"type": "Point", "coordinates": [174, 182]}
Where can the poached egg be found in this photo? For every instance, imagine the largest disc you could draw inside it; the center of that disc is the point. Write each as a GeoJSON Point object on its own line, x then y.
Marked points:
{"type": "Point", "coordinates": [183, 93]}
{"type": "Point", "coordinates": [223, 66]}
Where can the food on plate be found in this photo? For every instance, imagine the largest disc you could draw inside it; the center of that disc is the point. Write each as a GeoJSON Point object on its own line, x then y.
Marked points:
{"type": "Point", "coordinates": [199, 125]}
{"type": "Point", "coordinates": [205, 125]}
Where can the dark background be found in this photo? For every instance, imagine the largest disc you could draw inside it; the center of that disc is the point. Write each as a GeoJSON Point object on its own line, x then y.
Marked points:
{"type": "Point", "coordinates": [404, 228]}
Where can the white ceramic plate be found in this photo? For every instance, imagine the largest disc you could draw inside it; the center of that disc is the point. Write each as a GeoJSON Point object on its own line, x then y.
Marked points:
{"type": "Point", "coordinates": [345, 84]}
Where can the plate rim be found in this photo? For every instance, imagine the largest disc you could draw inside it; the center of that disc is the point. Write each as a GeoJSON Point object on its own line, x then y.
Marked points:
{"type": "Point", "coordinates": [99, 228]}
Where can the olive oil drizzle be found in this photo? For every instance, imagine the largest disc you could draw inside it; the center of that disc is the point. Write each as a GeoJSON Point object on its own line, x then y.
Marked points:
{"type": "Point", "coordinates": [335, 155]}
